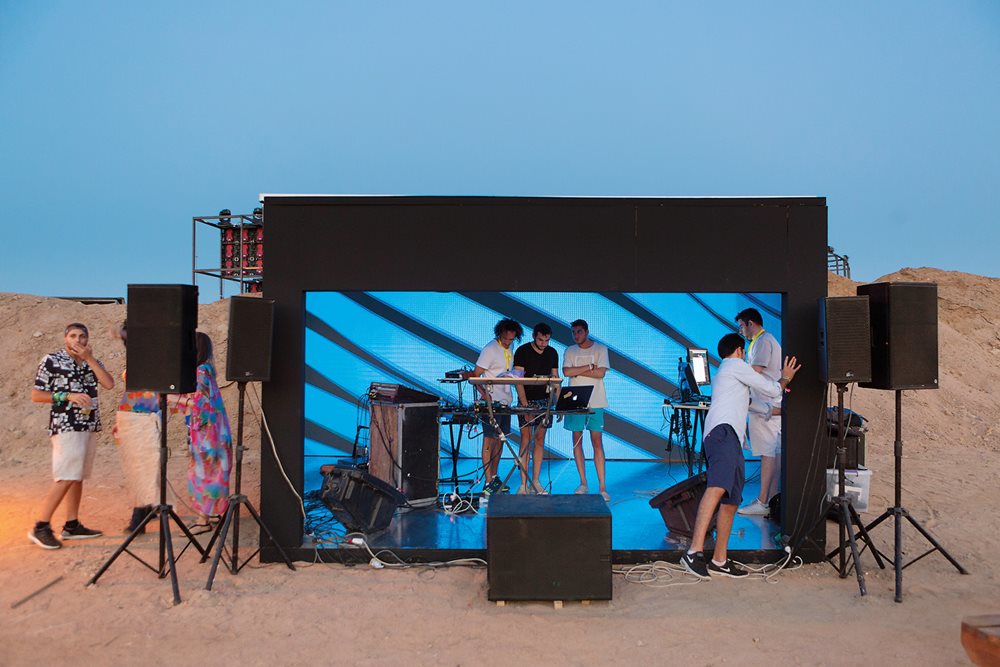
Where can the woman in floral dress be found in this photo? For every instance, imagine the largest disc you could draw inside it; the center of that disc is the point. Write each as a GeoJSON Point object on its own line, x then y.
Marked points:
{"type": "Point", "coordinates": [209, 439]}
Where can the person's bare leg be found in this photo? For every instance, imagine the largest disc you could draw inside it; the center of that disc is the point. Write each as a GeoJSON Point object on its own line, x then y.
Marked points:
{"type": "Point", "coordinates": [706, 508]}
{"type": "Point", "coordinates": [537, 457]}
{"type": "Point", "coordinates": [523, 453]}
{"type": "Point", "coordinates": [581, 461]}
{"type": "Point", "coordinates": [55, 496]}
{"type": "Point", "coordinates": [73, 497]}
{"type": "Point", "coordinates": [597, 440]}
{"type": "Point", "coordinates": [488, 456]}
{"type": "Point", "coordinates": [723, 527]}
{"type": "Point", "coordinates": [767, 477]}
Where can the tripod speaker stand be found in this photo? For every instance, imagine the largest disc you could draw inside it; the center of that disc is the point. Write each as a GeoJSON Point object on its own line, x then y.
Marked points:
{"type": "Point", "coordinates": [232, 518]}
{"type": "Point", "coordinates": [847, 516]}
{"type": "Point", "coordinates": [163, 512]}
{"type": "Point", "coordinates": [898, 512]}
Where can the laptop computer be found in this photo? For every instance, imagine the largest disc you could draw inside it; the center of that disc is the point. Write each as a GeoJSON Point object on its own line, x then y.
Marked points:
{"type": "Point", "coordinates": [574, 398]}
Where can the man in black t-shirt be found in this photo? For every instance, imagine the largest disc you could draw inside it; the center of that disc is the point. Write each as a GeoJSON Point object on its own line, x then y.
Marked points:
{"type": "Point", "coordinates": [536, 359]}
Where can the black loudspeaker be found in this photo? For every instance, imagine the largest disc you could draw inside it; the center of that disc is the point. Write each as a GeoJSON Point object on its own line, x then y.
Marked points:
{"type": "Point", "coordinates": [844, 340]}
{"type": "Point", "coordinates": [549, 547]}
{"type": "Point", "coordinates": [904, 324]}
{"type": "Point", "coordinates": [405, 448]}
{"type": "Point", "coordinates": [161, 354]}
{"type": "Point", "coordinates": [678, 505]}
{"type": "Point", "coordinates": [359, 501]}
{"type": "Point", "coordinates": [251, 329]}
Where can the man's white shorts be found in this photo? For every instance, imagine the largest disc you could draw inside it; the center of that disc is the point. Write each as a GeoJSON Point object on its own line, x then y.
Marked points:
{"type": "Point", "coordinates": [73, 455]}
{"type": "Point", "coordinates": [765, 435]}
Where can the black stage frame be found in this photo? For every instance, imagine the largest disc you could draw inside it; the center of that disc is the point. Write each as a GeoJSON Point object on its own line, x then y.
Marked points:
{"type": "Point", "coordinates": [646, 244]}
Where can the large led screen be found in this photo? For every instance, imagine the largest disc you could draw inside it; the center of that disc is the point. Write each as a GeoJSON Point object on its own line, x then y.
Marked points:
{"type": "Point", "coordinates": [413, 338]}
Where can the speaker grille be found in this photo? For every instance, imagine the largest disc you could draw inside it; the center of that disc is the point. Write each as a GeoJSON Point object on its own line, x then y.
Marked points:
{"type": "Point", "coordinates": [904, 322]}
{"type": "Point", "coordinates": [161, 354]}
{"type": "Point", "coordinates": [845, 340]}
{"type": "Point", "coordinates": [251, 328]}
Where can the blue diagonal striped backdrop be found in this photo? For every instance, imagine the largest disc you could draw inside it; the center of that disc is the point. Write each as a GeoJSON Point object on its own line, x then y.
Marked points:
{"type": "Point", "coordinates": [355, 338]}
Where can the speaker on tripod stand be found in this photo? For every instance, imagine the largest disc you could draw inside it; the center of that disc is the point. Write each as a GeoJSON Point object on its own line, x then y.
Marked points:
{"type": "Point", "coordinates": [248, 359]}
{"type": "Point", "coordinates": [845, 358]}
{"type": "Point", "coordinates": [161, 357]}
{"type": "Point", "coordinates": [904, 345]}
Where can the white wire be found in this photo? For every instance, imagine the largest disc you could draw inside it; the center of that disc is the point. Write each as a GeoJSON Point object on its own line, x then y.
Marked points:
{"type": "Point", "coordinates": [654, 574]}
{"type": "Point", "coordinates": [274, 450]}
{"type": "Point", "coordinates": [661, 574]}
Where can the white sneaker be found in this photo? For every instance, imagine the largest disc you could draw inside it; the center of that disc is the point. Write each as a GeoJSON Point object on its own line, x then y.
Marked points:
{"type": "Point", "coordinates": [581, 489]}
{"type": "Point", "coordinates": [523, 490]}
{"type": "Point", "coordinates": [606, 496]}
{"type": "Point", "coordinates": [755, 508]}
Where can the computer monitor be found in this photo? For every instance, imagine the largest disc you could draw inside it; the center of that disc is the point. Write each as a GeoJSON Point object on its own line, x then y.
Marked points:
{"type": "Point", "coordinates": [700, 370]}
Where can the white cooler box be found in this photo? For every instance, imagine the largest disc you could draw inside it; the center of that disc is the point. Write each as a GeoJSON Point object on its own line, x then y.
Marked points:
{"type": "Point", "coordinates": [857, 486]}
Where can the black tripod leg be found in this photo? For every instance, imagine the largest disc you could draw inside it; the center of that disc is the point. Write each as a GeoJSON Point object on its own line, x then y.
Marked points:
{"type": "Point", "coordinates": [121, 549]}
{"type": "Point", "coordinates": [256, 517]}
{"type": "Point", "coordinates": [219, 548]}
{"type": "Point", "coordinates": [863, 534]}
{"type": "Point", "coordinates": [186, 531]}
{"type": "Point", "coordinates": [215, 536]}
{"type": "Point", "coordinates": [171, 563]}
{"type": "Point", "coordinates": [846, 523]}
{"type": "Point", "coordinates": [874, 524]}
{"type": "Point", "coordinates": [934, 543]}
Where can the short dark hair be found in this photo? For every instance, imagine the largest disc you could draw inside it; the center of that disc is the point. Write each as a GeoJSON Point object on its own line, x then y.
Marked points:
{"type": "Point", "coordinates": [203, 345]}
{"type": "Point", "coordinates": [729, 344]}
{"type": "Point", "coordinates": [750, 315]}
{"type": "Point", "coordinates": [579, 323]}
{"type": "Point", "coordinates": [542, 329]}
{"type": "Point", "coordinates": [76, 325]}
{"type": "Point", "coordinates": [507, 324]}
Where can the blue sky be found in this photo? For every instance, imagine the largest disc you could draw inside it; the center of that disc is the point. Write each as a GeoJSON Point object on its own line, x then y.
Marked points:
{"type": "Point", "coordinates": [122, 120]}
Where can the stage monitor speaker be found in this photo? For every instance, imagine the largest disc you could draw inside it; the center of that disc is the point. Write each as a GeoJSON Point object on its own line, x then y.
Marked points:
{"type": "Point", "coordinates": [405, 449]}
{"type": "Point", "coordinates": [844, 340]}
{"type": "Point", "coordinates": [678, 505]}
{"type": "Point", "coordinates": [251, 330]}
{"type": "Point", "coordinates": [549, 547]}
{"type": "Point", "coordinates": [359, 501]}
{"type": "Point", "coordinates": [904, 324]}
{"type": "Point", "coordinates": [161, 354]}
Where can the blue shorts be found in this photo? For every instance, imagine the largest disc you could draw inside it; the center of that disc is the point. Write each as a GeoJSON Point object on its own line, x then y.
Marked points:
{"type": "Point", "coordinates": [725, 466]}
{"type": "Point", "coordinates": [585, 422]}
{"type": "Point", "coordinates": [502, 420]}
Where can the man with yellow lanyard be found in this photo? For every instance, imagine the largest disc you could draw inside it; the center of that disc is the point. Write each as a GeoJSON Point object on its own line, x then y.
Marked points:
{"type": "Point", "coordinates": [496, 360]}
{"type": "Point", "coordinates": [764, 355]}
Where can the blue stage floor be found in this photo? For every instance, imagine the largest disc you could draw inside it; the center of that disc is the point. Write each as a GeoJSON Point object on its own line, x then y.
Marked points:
{"type": "Point", "coordinates": [638, 531]}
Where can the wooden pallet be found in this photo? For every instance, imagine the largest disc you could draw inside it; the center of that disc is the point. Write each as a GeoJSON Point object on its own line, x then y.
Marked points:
{"type": "Point", "coordinates": [557, 604]}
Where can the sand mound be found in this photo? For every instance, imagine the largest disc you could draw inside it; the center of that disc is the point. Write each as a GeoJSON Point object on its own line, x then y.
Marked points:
{"type": "Point", "coordinates": [332, 614]}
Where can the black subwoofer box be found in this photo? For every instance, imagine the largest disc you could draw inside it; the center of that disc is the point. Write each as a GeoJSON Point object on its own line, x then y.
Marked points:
{"type": "Point", "coordinates": [552, 547]}
{"type": "Point", "coordinates": [678, 505]}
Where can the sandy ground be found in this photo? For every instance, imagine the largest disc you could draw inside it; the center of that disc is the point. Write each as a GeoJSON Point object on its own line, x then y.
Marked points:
{"type": "Point", "coordinates": [330, 614]}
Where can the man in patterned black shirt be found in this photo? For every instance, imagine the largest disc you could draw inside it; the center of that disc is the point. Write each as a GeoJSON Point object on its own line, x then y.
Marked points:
{"type": "Point", "coordinates": [68, 380]}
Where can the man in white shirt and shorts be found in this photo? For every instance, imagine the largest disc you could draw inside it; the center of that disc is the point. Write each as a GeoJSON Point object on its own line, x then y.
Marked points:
{"type": "Point", "coordinates": [585, 364]}
{"type": "Point", "coordinates": [764, 356]}
{"type": "Point", "coordinates": [496, 360]}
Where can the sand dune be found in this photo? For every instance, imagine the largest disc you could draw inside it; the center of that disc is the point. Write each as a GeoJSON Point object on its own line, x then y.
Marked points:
{"type": "Point", "coordinates": [326, 614]}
